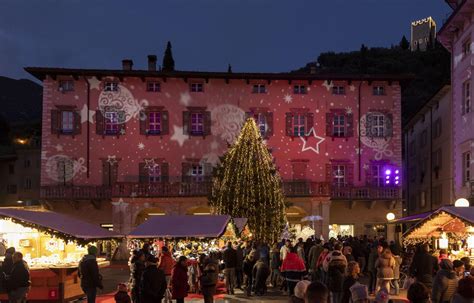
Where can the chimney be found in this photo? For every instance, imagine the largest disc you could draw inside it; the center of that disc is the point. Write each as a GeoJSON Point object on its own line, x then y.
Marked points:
{"type": "Point", "coordinates": [152, 63]}
{"type": "Point", "coordinates": [127, 64]}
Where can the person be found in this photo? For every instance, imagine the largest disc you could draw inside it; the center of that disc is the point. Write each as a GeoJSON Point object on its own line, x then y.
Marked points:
{"type": "Point", "coordinates": [300, 291]}
{"type": "Point", "coordinates": [335, 265]}
{"type": "Point", "coordinates": [121, 296]}
{"type": "Point", "coordinates": [352, 276]}
{"type": "Point", "coordinates": [260, 274]}
{"type": "Point", "coordinates": [285, 249]}
{"type": "Point", "coordinates": [382, 296]}
{"type": "Point", "coordinates": [275, 264]}
{"type": "Point", "coordinates": [316, 292]}
{"type": "Point", "coordinates": [166, 263]}
{"type": "Point", "coordinates": [300, 250]}
{"type": "Point", "coordinates": [3, 248]}
{"type": "Point", "coordinates": [374, 253]}
{"type": "Point", "coordinates": [239, 275]}
{"type": "Point", "coordinates": [230, 262]}
{"type": "Point", "coordinates": [396, 269]}
{"type": "Point", "coordinates": [359, 293]}
{"type": "Point", "coordinates": [18, 281]}
{"type": "Point", "coordinates": [347, 252]}
{"type": "Point", "coordinates": [7, 264]}
{"type": "Point", "coordinates": [179, 280]}
{"type": "Point", "coordinates": [293, 269]}
{"type": "Point", "coordinates": [443, 254]}
{"type": "Point", "coordinates": [319, 265]}
{"type": "Point", "coordinates": [418, 293]}
{"type": "Point", "coordinates": [313, 256]}
{"type": "Point", "coordinates": [459, 268]}
{"type": "Point", "coordinates": [89, 274]}
{"type": "Point", "coordinates": [465, 291]}
{"type": "Point", "coordinates": [385, 265]}
{"type": "Point", "coordinates": [249, 263]}
{"type": "Point", "coordinates": [424, 266]}
{"type": "Point", "coordinates": [467, 264]}
{"type": "Point", "coordinates": [445, 283]}
{"type": "Point", "coordinates": [208, 280]}
{"type": "Point", "coordinates": [137, 265]}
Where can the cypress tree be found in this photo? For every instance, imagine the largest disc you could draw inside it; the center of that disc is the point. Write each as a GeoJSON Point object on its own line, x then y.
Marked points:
{"type": "Point", "coordinates": [168, 61]}
{"type": "Point", "coordinates": [404, 44]}
{"type": "Point", "coordinates": [247, 184]}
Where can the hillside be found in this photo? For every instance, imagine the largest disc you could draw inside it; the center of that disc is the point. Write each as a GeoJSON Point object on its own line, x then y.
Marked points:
{"type": "Point", "coordinates": [20, 101]}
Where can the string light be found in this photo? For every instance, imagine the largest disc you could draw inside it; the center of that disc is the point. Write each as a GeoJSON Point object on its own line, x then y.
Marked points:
{"type": "Point", "coordinates": [247, 184]}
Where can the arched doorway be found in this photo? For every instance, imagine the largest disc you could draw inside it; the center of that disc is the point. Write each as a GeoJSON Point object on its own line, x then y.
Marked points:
{"type": "Point", "coordinates": [294, 214]}
{"type": "Point", "coordinates": [199, 211]}
{"type": "Point", "coordinates": [144, 214]}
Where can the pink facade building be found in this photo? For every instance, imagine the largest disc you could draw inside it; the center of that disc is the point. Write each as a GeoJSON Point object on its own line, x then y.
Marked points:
{"type": "Point", "coordinates": [457, 35]}
{"type": "Point", "coordinates": [120, 145]}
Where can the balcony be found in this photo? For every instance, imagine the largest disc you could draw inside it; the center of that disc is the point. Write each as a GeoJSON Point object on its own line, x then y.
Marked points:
{"type": "Point", "coordinates": [177, 188]}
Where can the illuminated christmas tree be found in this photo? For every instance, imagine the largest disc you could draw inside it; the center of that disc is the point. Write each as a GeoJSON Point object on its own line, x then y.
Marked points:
{"type": "Point", "coordinates": [247, 184]}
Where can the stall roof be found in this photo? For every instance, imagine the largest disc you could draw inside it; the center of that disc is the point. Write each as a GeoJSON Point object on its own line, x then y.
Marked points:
{"type": "Point", "coordinates": [444, 218]}
{"type": "Point", "coordinates": [240, 223]}
{"type": "Point", "coordinates": [57, 222]}
{"type": "Point", "coordinates": [412, 218]}
{"type": "Point", "coordinates": [208, 226]}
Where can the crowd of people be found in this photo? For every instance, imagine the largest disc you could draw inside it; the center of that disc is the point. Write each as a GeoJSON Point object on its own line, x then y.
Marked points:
{"type": "Point", "coordinates": [14, 276]}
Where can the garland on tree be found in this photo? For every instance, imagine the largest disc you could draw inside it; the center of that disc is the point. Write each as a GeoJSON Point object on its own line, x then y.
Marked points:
{"type": "Point", "coordinates": [247, 185]}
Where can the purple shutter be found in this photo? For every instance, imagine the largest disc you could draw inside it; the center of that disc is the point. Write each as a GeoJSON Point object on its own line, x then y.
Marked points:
{"type": "Point", "coordinates": [289, 124]}
{"type": "Point", "coordinates": [77, 123]}
{"type": "Point", "coordinates": [269, 120]}
{"type": "Point", "coordinates": [55, 114]}
{"type": "Point", "coordinates": [142, 173]}
{"type": "Point", "coordinates": [165, 123]}
{"type": "Point", "coordinates": [207, 123]}
{"type": "Point", "coordinates": [99, 123]}
{"type": "Point", "coordinates": [350, 125]}
{"type": "Point", "coordinates": [329, 123]}
{"type": "Point", "coordinates": [186, 122]}
{"type": "Point", "coordinates": [143, 122]}
{"type": "Point", "coordinates": [309, 122]}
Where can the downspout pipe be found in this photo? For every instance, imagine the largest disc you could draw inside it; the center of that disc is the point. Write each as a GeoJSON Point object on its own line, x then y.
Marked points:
{"type": "Point", "coordinates": [359, 156]}
{"type": "Point", "coordinates": [88, 101]}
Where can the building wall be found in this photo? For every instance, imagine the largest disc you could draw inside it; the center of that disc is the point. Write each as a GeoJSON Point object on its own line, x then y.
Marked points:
{"type": "Point", "coordinates": [428, 138]}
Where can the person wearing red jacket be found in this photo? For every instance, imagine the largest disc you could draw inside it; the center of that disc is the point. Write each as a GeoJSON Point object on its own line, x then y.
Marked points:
{"type": "Point", "coordinates": [179, 280]}
{"type": "Point", "coordinates": [293, 269]}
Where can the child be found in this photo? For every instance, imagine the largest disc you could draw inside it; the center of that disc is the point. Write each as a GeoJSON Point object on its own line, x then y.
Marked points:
{"type": "Point", "coordinates": [122, 295]}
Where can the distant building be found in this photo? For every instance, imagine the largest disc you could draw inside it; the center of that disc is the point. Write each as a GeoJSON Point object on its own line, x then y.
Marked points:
{"type": "Point", "coordinates": [423, 33]}
{"type": "Point", "coordinates": [428, 156]}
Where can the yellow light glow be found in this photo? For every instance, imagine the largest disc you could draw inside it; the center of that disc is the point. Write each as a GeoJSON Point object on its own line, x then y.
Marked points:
{"type": "Point", "coordinates": [201, 214]}
{"type": "Point", "coordinates": [390, 216]}
{"type": "Point", "coordinates": [21, 141]}
{"type": "Point", "coordinates": [156, 214]}
{"type": "Point", "coordinates": [470, 241]}
{"type": "Point", "coordinates": [443, 241]}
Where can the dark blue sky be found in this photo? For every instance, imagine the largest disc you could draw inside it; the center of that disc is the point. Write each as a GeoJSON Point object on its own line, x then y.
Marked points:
{"type": "Point", "coordinates": [252, 35]}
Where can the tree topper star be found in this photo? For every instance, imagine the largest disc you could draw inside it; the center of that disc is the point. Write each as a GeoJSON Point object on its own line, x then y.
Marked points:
{"type": "Point", "coordinates": [314, 149]}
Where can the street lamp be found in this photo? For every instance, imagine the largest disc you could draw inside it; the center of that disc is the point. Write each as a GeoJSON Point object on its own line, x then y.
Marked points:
{"type": "Point", "coordinates": [390, 216]}
{"type": "Point", "coordinates": [461, 202]}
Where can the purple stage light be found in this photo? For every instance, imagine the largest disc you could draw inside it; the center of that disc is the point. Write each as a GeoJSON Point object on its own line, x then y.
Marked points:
{"type": "Point", "coordinates": [388, 172]}
{"type": "Point", "coordinates": [396, 182]}
{"type": "Point", "coordinates": [396, 178]}
{"type": "Point", "coordinates": [397, 171]}
{"type": "Point", "coordinates": [387, 182]}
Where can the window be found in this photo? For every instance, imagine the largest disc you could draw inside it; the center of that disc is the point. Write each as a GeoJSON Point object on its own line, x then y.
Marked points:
{"type": "Point", "coordinates": [197, 123]}
{"type": "Point", "coordinates": [153, 87]}
{"type": "Point", "coordinates": [197, 172]}
{"type": "Point", "coordinates": [66, 86]}
{"type": "Point", "coordinates": [262, 123]}
{"type": "Point", "coordinates": [339, 125]}
{"type": "Point", "coordinates": [437, 128]}
{"type": "Point", "coordinates": [27, 184]}
{"type": "Point", "coordinates": [111, 86]}
{"type": "Point", "coordinates": [11, 169]}
{"type": "Point", "coordinates": [67, 122]}
{"type": "Point", "coordinates": [466, 97]}
{"type": "Point", "coordinates": [466, 167]}
{"type": "Point", "coordinates": [11, 189]}
{"type": "Point", "coordinates": [154, 174]}
{"type": "Point", "coordinates": [111, 123]}
{"type": "Point", "coordinates": [154, 122]}
{"type": "Point", "coordinates": [197, 87]}
{"type": "Point", "coordinates": [299, 123]}
{"type": "Point", "coordinates": [259, 89]}
{"type": "Point", "coordinates": [377, 175]}
{"type": "Point", "coordinates": [378, 90]}
{"type": "Point", "coordinates": [27, 163]}
{"type": "Point", "coordinates": [378, 125]}
{"type": "Point", "coordinates": [466, 48]}
{"type": "Point", "coordinates": [300, 89]}
{"type": "Point", "coordinates": [338, 90]}
{"type": "Point", "coordinates": [339, 175]}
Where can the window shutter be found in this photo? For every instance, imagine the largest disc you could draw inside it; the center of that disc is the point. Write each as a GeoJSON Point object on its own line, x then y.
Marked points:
{"type": "Point", "coordinates": [143, 122]}
{"type": "Point", "coordinates": [165, 172]}
{"type": "Point", "coordinates": [122, 124]}
{"type": "Point", "coordinates": [350, 173]}
{"type": "Point", "coordinates": [329, 173]}
{"type": "Point", "coordinates": [329, 122]}
{"type": "Point", "coordinates": [368, 125]}
{"type": "Point", "coordinates": [289, 124]}
{"type": "Point", "coordinates": [55, 114]}
{"type": "Point", "coordinates": [142, 172]}
{"type": "Point", "coordinates": [350, 125]}
{"type": "Point", "coordinates": [269, 120]}
{"type": "Point", "coordinates": [309, 123]}
{"type": "Point", "coordinates": [77, 123]}
{"type": "Point", "coordinates": [186, 122]}
{"type": "Point", "coordinates": [99, 122]}
{"type": "Point", "coordinates": [186, 172]}
{"type": "Point", "coordinates": [207, 123]}
{"type": "Point", "coordinates": [388, 125]}
{"type": "Point", "coordinates": [165, 128]}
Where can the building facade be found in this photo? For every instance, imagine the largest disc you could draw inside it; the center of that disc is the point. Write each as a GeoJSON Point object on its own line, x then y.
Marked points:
{"type": "Point", "coordinates": [457, 35]}
{"type": "Point", "coordinates": [423, 34]}
{"type": "Point", "coordinates": [120, 145]}
{"type": "Point", "coordinates": [428, 156]}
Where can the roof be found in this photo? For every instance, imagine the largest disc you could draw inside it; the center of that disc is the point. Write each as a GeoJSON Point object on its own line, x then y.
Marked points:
{"type": "Point", "coordinates": [206, 226]}
{"type": "Point", "coordinates": [450, 28]}
{"type": "Point", "coordinates": [41, 73]}
{"type": "Point", "coordinates": [240, 223]}
{"type": "Point", "coordinates": [412, 218]}
{"type": "Point", "coordinates": [52, 222]}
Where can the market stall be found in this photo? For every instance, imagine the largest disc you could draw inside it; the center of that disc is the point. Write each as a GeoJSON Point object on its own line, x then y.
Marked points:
{"type": "Point", "coordinates": [52, 244]}
{"type": "Point", "coordinates": [449, 227]}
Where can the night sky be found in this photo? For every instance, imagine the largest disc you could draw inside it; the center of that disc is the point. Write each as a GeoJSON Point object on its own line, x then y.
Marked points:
{"type": "Point", "coordinates": [252, 35]}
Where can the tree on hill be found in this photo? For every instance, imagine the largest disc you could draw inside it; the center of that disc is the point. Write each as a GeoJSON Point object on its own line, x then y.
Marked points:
{"type": "Point", "coordinates": [247, 184]}
{"type": "Point", "coordinates": [168, 61]}
{"type": "Point", "coordinates": [404, 44]}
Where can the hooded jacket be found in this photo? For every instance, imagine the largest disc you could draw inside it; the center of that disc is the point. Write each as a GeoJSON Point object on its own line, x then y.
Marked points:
{"type": "Point", "coordinates": [179, 282]}
{"type": "Point", "coordinates": [89, 273]}
{"type": "Point", "coordinates": [166, 263]}
{"type": "Point", "coordinates": [336, 268]}
{"type": "Point", "coordinates": [293, 268]}
{"type": "Point", "coordinates": [423, 267]}
{"type": "Point", "coordinates": [445, 283]}
{"type": "Point", "coordinates": [385, 265]}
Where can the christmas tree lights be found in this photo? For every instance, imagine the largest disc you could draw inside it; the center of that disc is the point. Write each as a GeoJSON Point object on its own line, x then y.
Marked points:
{"type": "Point", "coordinates": [246, 184]}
